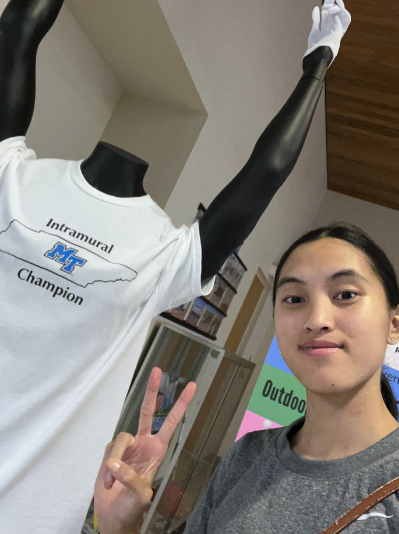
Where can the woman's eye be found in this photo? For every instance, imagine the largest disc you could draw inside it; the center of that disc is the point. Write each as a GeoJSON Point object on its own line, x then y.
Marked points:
{"type": "Point", "coordinates": [346, 295]}
{"type": "Point", "coordinates": [293, 300]}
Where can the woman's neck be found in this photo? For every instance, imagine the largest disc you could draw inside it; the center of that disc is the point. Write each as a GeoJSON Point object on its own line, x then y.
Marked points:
{"type": "Point", "coordinates": [115, 172]}
{"type": "Point", "coordinates": [339, 427]}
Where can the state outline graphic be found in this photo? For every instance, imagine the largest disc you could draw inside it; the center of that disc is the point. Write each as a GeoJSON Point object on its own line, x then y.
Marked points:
{"type": "Point", "coordinates": [128, 278]}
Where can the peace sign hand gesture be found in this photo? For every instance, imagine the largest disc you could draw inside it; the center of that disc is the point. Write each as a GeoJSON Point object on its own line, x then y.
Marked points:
{"type": "Point", "coordinates": [122, 492]}
{"type": "Point", "coordinates": [329, 27]}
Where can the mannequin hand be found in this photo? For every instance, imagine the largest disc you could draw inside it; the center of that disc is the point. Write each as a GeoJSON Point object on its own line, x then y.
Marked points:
{"type": "Point", "coordinates": [123, 495]}
{"type": "Point", "coordinates": [329, 28]}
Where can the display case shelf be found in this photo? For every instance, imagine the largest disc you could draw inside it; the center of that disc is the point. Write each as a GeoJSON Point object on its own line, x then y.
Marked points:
{"type": "Point", "coordinates": [213, 306]}
{"type": "Point", "coordinates": [228, 283]}
{"type": "Point", "coordinates": [187, 325]}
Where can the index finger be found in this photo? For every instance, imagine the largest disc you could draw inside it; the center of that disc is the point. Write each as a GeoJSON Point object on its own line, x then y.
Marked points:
{"type": "Point", "coordinates": [102, 472]}
{"type": "Point", "coordinates": [177, 413]}
{"type": "Point", "coordinates": [119, 446]}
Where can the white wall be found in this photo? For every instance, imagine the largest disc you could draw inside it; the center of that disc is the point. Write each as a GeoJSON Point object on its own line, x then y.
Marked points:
{"type": "Point", "coordinates": [76, 93]}
{"type": "Point", "coordinates": [134, 39]}
{"type": "Point", "coordinates": [160, 133]}
{"type": "Point", "coordinates": [245, 59]}
{"type": "Point", "coordinates": [380, 223]}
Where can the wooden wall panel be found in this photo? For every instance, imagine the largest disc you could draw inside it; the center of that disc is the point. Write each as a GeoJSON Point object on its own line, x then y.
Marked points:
{"type": "Point", "coordinates": [362, 99]}
{"type": "Point", "coordinates": [244, 315]}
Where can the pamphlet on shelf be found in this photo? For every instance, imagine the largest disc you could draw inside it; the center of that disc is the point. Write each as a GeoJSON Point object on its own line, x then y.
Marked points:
{"type": "Point", "coordinates": [181, 311]}
{"type": "Point", "coordinates": [206, 319]}
{"type": "Point", "coordinates": [218, 292]}
{"type": "Point", "coordinates": [227, 300]}
{"type": "Point", "coordinates": [229, 269]}
{"type": "Point", "coordinates": [215, 323]}
{"type": "Point", "coordinates": [195, 313]}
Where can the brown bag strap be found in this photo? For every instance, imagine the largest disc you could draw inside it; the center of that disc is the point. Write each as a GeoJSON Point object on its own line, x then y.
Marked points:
{"type": "Point", "coordinates": [363, 507]}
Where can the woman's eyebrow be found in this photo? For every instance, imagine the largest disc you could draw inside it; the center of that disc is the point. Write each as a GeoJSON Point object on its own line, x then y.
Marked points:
{"type": "Point", "coordinates": [289, 280]}
{"type": "Point", "coordinates": [347, 272]}
{"type": "Point", "coordinates": [335, 276]}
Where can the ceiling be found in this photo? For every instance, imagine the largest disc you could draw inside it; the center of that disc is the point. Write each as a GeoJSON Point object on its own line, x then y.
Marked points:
{"type": "Point", "coordinates": [135, 41]}
{"type": "Point", "coordinates": [362, 95]}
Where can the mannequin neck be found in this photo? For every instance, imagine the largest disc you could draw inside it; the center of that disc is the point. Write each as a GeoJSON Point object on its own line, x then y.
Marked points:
{"type": "Point", "coordinates": [115, 172]}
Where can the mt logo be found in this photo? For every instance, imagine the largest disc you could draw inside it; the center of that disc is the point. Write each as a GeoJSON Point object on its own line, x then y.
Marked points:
{"type": "Point", "coordinates": [66, 256]}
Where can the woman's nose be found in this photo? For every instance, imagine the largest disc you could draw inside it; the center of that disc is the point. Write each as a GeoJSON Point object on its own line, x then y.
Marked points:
{"type": "Point", "coordinates": [319, 316]}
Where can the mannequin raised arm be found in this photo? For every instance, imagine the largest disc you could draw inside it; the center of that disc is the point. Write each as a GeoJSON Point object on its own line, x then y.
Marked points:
{"type": "Point", "coordinates": [235, 211]}
{"type": "Point", "coordinates": [23, 24]}
{"type": "Point", "coordinates": [233, 214]}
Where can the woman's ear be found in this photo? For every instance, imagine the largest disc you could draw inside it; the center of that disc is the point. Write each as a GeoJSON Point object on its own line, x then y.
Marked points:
{"type": "Point", "coordinates": [394, 330]}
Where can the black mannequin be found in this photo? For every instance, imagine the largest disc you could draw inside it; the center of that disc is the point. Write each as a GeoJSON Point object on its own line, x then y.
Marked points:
{"type": "Point", "coordinates": [234, 213]}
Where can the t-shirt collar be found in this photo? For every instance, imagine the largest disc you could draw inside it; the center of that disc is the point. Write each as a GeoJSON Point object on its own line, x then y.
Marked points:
{"type": "Point", "coordinates": [80, 181]}
{"type": "Point", "coordinates": [327, 469]}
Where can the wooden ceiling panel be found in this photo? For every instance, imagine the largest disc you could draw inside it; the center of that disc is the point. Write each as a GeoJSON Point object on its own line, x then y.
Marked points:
{"type": "Point", "coordinates": [362, 106]}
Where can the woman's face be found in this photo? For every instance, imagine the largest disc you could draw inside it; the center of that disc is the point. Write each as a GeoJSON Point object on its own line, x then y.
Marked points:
{"type": "Point", "coordinates": [331, 317]}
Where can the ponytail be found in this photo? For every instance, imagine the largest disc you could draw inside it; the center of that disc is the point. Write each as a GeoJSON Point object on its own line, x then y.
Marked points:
{"type": "Point", "coordinates": [388, 396]}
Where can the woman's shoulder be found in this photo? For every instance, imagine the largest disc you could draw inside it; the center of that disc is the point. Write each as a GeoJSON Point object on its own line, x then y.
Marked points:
{"type": "Point", "coordinates": [256, 443]}
{"type": "Point", "coordinates": [251, 453]}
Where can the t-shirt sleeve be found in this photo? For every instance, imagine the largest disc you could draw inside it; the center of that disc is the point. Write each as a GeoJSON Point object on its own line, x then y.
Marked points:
{"type": "Point", "coordinates": [12, 151]}
{"type": "Point", "coordinates": [180, 281]}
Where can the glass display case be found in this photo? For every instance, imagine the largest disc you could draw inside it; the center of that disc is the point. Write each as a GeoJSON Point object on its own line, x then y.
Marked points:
{"type": "Point", "coordinates": [183, 357]}
{"type": "Point", "coordinates": [193, 453]}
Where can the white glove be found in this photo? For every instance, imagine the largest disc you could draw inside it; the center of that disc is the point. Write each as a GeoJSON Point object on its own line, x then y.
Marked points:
{"type": "Point", "coordinates": [335, 20]}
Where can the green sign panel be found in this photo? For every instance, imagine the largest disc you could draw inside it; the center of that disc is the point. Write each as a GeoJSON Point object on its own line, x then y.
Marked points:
{"type": "Point", "coordinates": [278, 396]}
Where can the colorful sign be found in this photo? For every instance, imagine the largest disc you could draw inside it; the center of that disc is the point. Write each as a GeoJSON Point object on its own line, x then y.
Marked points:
{"type": "Point", "coordinates": [278, 396]}
{"type": "Point", "coordinates": [278, 399]}
{"type": "Point", "coordinates": [391, 368]}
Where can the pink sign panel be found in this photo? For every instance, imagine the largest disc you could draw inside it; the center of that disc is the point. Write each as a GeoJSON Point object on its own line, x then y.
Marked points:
{"type": "Point", "coordinates": [252, 422]}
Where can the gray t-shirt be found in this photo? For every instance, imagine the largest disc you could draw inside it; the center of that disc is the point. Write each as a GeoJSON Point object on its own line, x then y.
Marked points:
{"type": "Point", "coordinates": [262, 486]}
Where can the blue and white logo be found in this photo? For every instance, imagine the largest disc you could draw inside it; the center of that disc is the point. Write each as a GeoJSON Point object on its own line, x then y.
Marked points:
{"type": "Point", "coordinates": [66, 256]}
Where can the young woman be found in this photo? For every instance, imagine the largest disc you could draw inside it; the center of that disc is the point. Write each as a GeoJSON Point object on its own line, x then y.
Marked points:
{"type": "Point", "coordinates": [336, 300]}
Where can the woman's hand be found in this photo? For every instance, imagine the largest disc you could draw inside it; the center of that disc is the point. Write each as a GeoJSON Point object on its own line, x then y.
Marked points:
{"type": "Point", "coordinates": [329, 27]}
{"type": "Point", "coordinates": [123, 491]}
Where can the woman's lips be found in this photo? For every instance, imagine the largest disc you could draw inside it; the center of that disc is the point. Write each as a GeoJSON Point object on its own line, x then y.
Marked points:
{"type": "Point", "coordinates": [320, 348]}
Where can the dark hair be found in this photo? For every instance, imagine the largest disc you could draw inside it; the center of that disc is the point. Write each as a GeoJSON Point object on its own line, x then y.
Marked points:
{"type": "Point", "coordinates": [378, 262]}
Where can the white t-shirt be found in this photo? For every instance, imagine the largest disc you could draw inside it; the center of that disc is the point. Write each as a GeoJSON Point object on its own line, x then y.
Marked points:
{"type": "Point", "coordinates": [82, 274]}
